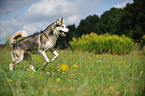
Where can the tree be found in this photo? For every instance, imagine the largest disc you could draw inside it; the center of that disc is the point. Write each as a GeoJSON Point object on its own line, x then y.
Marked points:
{"type": "Point", "coordinates": [133, 20]}
{"type": "Point", "coordinates": [87, 25]}
{"type": "Point", "coordinates": [109, 21]}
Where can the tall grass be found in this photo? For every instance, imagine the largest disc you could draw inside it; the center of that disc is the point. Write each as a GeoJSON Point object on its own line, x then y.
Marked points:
{"type": "Point", "coordinates": [103, 43]}
{"type": "Point", "coordinates": [88, 74]}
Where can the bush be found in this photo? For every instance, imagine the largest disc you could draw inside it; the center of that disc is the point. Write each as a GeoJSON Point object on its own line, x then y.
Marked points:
{"type": "Point", "coordinates": [102, 43]}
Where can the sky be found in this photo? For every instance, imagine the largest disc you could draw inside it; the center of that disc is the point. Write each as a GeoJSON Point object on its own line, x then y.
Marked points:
{"type": "Point", "coordinates": [35, 15]}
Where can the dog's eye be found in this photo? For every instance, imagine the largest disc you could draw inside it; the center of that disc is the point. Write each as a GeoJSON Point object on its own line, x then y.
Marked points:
{"type": "Point", "coordinates": [57, 25]}
{"type": "Point", "coordinates": [62, 26]}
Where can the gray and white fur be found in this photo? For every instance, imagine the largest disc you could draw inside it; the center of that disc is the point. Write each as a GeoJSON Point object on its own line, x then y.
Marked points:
{"type": "Point", "coordinates": [39, 42]}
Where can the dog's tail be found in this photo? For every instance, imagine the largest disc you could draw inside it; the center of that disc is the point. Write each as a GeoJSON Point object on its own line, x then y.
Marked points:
{"type": "Point", "coordinates": [16, 35]}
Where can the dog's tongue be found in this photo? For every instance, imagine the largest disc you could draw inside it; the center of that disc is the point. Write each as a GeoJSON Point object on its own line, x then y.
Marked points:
{"type": "Point", "coordinates": [62, 34]}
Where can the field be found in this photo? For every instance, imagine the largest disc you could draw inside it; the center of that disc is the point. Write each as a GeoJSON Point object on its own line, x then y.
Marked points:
{"type": "Point", "coordinates": [88, 74]}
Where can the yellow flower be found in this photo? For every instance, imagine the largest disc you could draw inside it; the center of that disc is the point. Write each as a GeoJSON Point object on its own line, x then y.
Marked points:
{"type": "Point", "coordinates": [25, 81]}
{"type": "Point", "coordinates": [132, 76]}
{"type": "Point", "coordinates": [27, 61]}
{"type": "Point", "coordinates": [111, 79]}
{"type": "Point", "coordinates": [41, 78]}
{"type": "Point", "coordinates": [30, 75]}
{"type": "Point", "coordinates": [47, 69]}
{"type": "Point", "coordinates": [28, 69]}
{"type": "Point", "coordinates": [63, 67]}
{"type": "Point", "coordinates": [104, 92]}
{"type": "Point", "coordinates": [111, 87]}
{"type": "Point", "coordinates": [58, 79]}
{"type": "Point", "coordinates": [96, 56]}
{"type": "Point", "coordinates": [59, 89]}
{"type": "Point", "coordinates": [10, 80]}
{"type": "Point", "coordinates": [74, 65]}
{"type": "Point", "coordinates": [89, 57]}
{"type": "Point", "coordinates": [37, 92]}
{"type": "Point", "coordinates": [37, 58]}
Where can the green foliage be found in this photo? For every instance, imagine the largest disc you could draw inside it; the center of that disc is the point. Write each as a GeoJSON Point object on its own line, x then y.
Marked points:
{"type": "Point", "coordinates": [103, 43]}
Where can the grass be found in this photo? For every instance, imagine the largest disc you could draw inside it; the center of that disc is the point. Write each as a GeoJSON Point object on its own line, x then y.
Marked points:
{"type": "Point", "coordinates": [88, 74]}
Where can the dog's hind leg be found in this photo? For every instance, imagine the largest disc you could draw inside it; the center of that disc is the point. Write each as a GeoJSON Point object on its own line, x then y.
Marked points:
{"type": "Point", "coordinates": [12, 55]}
{"type": "Point", "coordinates": [16, 61]}
{"type": "Point", "coordinates": [55, 53]}
{"type": "Point", "coordinates": [28, 57]}
{"type": "Point", "coordinates": [45, 57]}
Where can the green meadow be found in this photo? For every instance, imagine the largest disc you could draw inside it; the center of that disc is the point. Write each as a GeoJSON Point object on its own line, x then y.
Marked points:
{"type": "Point", "coordinates": [88, 74]}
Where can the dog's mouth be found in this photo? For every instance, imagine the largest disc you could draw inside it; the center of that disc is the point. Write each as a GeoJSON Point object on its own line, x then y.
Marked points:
{"type": "Point", "coordinates": [62, 34]}
{"type": "Point", "coordinates": [63, 30]}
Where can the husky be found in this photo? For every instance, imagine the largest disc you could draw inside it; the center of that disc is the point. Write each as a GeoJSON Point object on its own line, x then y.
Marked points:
{"type": "Point", "coordinates": [37, 43]}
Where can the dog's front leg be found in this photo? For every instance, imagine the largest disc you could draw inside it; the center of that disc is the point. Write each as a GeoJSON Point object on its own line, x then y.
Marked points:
{"type": "Point", "coordinates": [45, 57]}
{"type": "Point", "coordinates": [55, 53]}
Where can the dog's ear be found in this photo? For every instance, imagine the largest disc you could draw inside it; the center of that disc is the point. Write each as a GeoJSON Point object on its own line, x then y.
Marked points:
{"type": "Point", "coordinates": [58, 20]}
{"type": "Point", "coordinates": [62, 20]}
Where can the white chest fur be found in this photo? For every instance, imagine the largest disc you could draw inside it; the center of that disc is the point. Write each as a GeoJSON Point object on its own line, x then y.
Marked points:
{"type": "Point", "coordinates": [50, 44]}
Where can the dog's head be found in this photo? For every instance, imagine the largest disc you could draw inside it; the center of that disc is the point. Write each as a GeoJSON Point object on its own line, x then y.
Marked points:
{"type": "Point", "coordinates": [60, 27]}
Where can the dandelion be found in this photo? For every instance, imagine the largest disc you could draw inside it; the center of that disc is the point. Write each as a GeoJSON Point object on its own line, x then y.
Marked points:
{"type": "Point", "coordinates": [104, 92]}
{"type": "Point", "coordinates": [74, 65]}
{"type": "Point", "coordinates": [111, 87]}
{"type": "Point", "coordinates": [132, 76]}
{"type": "Point", "coordinates": [27, 61]}
{"type": "Point", "coordinates": [47, 69]}
{"type": "Point", "coordinates": [58, 79]}
{"type": "Point", "coordinates": [63, 67]}
{"type": "Point", "coordinates": [25, 81]}
{"type": "Point", "coordinates": [59, 89]}
{"type": "Point", "coordinates": [28, 69]}
{"type": "Point", "coordinates": [41, 78]}
{"type": "Point", "coordinates": [89, 57]}
{"type": "Point", "coordinates": [30, 75]}
{"type": "Point", "coordinates": [37, 92]}
{"type": "Point", "coordinates": [111, 79]}
{"type": "Point", "coordinates": [10, 80]}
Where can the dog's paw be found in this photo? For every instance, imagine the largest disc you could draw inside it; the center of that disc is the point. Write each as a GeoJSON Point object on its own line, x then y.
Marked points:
{"type": "Point", "coordinates": [11, 67]}
{"type": "Point", "coordinates": [47, 73]}
{"type": "Point", "coordinates": [52, 60]}
{"type": "Point", "coordinates": [32, 68]}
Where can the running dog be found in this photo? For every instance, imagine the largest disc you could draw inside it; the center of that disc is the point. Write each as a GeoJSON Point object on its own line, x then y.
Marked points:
{"type": "Point", "coordinates": [39, 42]}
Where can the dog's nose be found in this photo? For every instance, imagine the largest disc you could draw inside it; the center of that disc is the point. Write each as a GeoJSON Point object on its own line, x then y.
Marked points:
{"type": "Point", "coordinates": [68, 30]}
